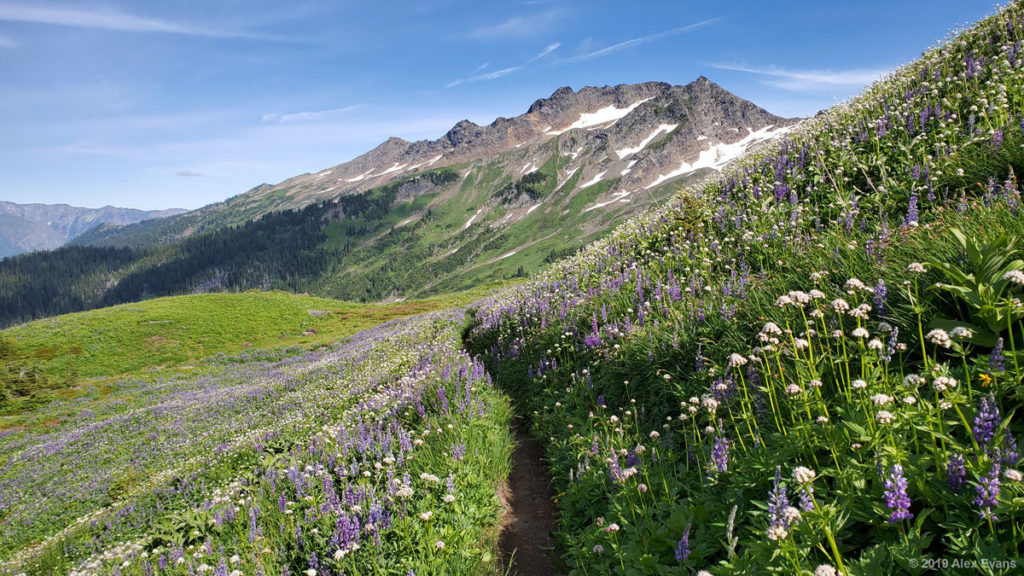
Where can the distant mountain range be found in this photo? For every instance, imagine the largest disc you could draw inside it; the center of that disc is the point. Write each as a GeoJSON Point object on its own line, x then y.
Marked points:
{"type": "Point", "coordinates": [407, 219]}
{"type": "Point", "coordinates": [30, 227]}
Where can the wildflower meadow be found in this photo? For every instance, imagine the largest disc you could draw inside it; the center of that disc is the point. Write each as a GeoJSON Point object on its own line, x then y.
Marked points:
{"type": "Point", "coordinates": [381, 455]}
{"type": "Point", "coordinates": [810, 364]}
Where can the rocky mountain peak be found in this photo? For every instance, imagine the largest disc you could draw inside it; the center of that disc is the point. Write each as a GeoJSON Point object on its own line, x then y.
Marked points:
{"type": "Point", "coordinates": [463, 132]}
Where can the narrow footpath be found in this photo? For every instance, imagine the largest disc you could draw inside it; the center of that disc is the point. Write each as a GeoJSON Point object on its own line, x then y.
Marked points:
{"type": "Point", "coordinates": [526, 545]}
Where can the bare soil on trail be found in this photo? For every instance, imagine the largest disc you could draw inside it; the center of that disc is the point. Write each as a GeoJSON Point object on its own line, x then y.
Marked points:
{"type": "Point", "coordinates": [526, 544]}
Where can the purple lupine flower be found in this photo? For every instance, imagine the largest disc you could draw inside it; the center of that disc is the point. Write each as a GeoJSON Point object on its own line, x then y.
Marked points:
{"type": "Point", "coordinates": [614, 471]}
{"type": "Point", "coordinates": [896, 498]}
{"type": "Point", "coordinates": [956, 471]}
{"type": "Point", "coordinates": [988, 492]}
{"type": "Point", "coordinates": [890, 348]}
{"type": "Point", "coordinates": [912, 213]}
{"type": "Point", "coordinates": [458, 451]}
{"type": "Point", "coordinates": [254, 529]}
{"type": "Point", "coordinates": [777, 503]}
{"type": "Point", "coordinates": [996, 359]}
{"type": "Point", "coordinates": [986, 421]}
{"type": "Point", "coordinates": [442, 395]}
{"type": "Point", "coordinates": [806, 501]}
{"type": "Point", "coordinates": [720, 454]}
{"type": "Point", "coordinates": [1010, 453]}
{"type": "Point", "coordinates": [346, 533]}
{"type": "Point", "coordinates": [880, 292]}
{"type": "Point", "coordinates": [683, 548]}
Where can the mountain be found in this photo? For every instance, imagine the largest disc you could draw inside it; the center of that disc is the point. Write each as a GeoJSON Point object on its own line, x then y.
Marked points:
{"type": "Point", "coordinates": [29, 227]}
{"type": "Point", "coordinates": [410, 219]}
{"type": "Point", "coordinates": [632, 137]}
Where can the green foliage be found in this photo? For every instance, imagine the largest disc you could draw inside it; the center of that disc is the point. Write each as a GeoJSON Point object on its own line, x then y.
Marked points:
{"type": "Point", "coordinates": [985, 283]}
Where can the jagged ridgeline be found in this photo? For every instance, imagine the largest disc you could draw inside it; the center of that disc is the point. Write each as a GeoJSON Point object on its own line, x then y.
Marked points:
{"type": "Point", "coordinates": [408, 219]}
{"type": "Point", "coordinates": [810, 364]}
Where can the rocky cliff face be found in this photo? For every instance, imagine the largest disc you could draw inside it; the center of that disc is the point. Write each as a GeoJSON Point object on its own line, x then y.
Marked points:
{"type": "Point", "coordinates": [29, 227]}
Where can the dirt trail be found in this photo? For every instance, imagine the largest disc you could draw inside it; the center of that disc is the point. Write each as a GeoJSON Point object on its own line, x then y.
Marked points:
{"type": "Point", "coordinates": [526, 544]}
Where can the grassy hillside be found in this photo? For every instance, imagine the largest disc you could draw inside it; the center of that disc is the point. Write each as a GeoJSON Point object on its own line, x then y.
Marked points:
{"type": "Point", "coordinates": [810, 364]}
{"type": "Point", "coordinates": [380, 455]}
{"type": "Point", "coordinates": [60, 355]}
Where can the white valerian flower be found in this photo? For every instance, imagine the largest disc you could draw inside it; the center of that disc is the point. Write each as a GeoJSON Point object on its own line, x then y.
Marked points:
{"type": "Point", "coordinates": [854, 284]}
{"type": "Point", "coordinates": [961, 333]}
{"type": "Point", "coordinates": [939, 337]}
{"type": "Point", "coordinates": [777, 532]}
{"type": "Point", "coordinates": [825, 570]}
{"type": "Point", "coordinates": [859, 384]}
{"type": "Point", "coordinates": [1015, 276]}
{"type": "Point", "coordinates": [881, 399]}
{"type": "Point", "coordinates": [736, 360]}
{"type": "Point", "coordinates": [943, 383]}
{"type": "Point", "coordinates": [884, 417]}
{"type": "Point", "coordinates": [803, 475]}
{"type": "Point", "coordinates": [840, 306]}
{"type": "Point", "coordinates": [916, 268]}
{"type": "Point", "coordinates": [710, 404]}
{"type": "Point", "coordinates": [860, 332]}
{"type": "Point", "coordinates": [913, 380]}
{"type": "Point", "coordinates": [1013, 475]}
{"type": "Point", "coordinates": [792, 389]}
{"type": "Point", "coordinates": [426, 515]}
{"type": "Point", "coordinates": [791, 514]}
{"type": "Point", "coordinates": [860, 312]}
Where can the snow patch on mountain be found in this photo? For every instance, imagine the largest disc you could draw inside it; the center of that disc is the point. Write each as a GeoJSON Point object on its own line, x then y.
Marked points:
{"type": "Point", "coordinates": [471, 218]}
{"type": "Point", "coordinates": [607, 115]}
{"type": "Point", "coordinates": [719, 155]}
{"type": "Point", "coordinates": [663, 128]}
{"type": "Point", "coordinates": [594, 180]}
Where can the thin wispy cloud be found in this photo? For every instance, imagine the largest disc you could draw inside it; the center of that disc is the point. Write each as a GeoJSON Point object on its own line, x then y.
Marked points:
{"type": "Point", "coordinates": [306, 115]}
{"type": "Point", "coordinates": [6, 42]}
{"type": "Point", "coordinates": [105, 20]}
{"type": "Point", "coordinates": [548, 50]}
{"type": "Point", "coordinates": [638, 41]}
{"type": "Point", "coordinates": [488, 76]}
{"type": "Point", "coordinates": [475, 77]}
{"type": "Point", "coordinates": [804, 80]}
{"type": "Point", "coordinates": [187, 174]}
{"type": "Point", "coordinates": [518, 26]}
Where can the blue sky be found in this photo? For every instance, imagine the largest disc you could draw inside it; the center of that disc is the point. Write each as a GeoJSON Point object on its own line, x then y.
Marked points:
{"type": "Point", "coordinates": [182, 103]}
